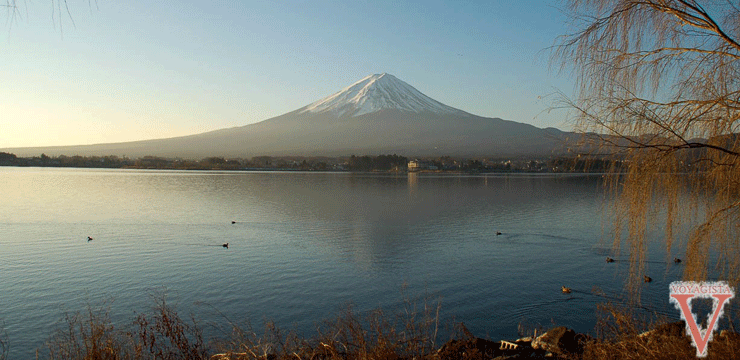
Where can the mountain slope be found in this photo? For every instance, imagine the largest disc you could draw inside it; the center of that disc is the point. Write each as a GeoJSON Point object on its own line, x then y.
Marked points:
{"type": "Point", "coordinates": [378, 114]}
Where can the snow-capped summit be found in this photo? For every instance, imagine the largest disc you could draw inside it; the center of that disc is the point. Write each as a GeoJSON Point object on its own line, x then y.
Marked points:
{"type": "Point", "coordinates": [379, 92]}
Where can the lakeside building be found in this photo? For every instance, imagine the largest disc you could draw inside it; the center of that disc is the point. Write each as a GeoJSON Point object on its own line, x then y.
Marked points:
{"type": "Point", "coordinates": [418, 165]}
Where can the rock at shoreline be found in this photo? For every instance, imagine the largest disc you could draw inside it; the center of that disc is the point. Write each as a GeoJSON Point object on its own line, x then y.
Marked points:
{"type": "Point", "coordinates": [558, 340]}
{"type": "Point", "coordinates": [552, 344]}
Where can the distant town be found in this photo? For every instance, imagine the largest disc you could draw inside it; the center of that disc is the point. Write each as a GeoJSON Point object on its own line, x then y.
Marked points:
{"type": "Point", "coordinates": [365, 163]}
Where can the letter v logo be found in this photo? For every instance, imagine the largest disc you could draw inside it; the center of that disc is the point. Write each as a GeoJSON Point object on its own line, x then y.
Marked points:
{"type": "Point", "coordinates": [681, 295]}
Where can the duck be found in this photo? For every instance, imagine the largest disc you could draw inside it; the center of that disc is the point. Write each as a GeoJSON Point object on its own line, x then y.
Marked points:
{"type": "Point", "coordinates": [566, 290]}
{"type": "Point", "coordinates": [648, 278]}
{"type": "Point", "coordinates": [89, 238]}
{"type": "Point", "coordinates": [233, 222]}
{"type": "Point", "coordinates": [676, 260]}
{"type": "Point", "coordinates": [498, 233]}
{"type": "Point", "coordinates": [226, 245]}
{"type": "Point", "coordinates": [608, 259]}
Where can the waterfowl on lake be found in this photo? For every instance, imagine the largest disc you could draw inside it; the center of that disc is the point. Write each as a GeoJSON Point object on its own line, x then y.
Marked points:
{"type": "Point", "coordinates": [226, 245]}
{"type": "Point", "coordinates": [89, 238]}
{"type": "Point", "coordinates": [608, 259]}
{"type": "Point", "coordinates": [648, 278]}
{"type": "Point", "coordinates": [498, 233]}
{"type": "Point", "coordinates": [566, 290]}
{"type": "Point", "coordinates": [676, 260]}
{"type": "Point", "coordinates": [233, 222]}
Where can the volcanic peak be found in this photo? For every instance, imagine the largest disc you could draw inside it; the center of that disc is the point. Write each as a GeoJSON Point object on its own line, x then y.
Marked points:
{"type": "Point", "coordinates": [379, 92]}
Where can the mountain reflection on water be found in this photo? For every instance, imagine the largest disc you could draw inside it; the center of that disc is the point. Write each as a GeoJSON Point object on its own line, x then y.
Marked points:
{"type": "Point", "coordinates": [305, 244]}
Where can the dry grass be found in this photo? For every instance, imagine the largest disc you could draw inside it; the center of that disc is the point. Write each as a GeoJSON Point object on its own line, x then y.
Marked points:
{"type": "Point", "coordinates": [167, 336]}
{"type": "Point", "coordinates": [623, 335]}
{"type": "Point", "coordinates": [410, 333]}
{"type": "Point", "coordinates": [163, 334]}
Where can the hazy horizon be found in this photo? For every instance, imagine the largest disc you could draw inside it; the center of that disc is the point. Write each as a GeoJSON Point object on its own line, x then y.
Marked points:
{"type": "Point", "coordinates": [144, 71]}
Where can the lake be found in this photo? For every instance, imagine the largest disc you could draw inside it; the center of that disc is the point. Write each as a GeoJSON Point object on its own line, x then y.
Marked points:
{"type": "Point", "coordinates": [305, 245]}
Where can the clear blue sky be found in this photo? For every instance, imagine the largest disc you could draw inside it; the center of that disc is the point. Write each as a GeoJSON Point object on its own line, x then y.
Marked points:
{"type": "Point", "coordinates": [131, 70]}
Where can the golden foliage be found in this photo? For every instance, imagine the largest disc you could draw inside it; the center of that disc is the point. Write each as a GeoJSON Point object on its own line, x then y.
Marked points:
{"type": "Point", "coordinates": [659, 89]}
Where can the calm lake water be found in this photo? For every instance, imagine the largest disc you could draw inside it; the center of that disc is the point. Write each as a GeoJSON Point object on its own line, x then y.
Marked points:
{"type": "Point", "coordinates": [304, 245]}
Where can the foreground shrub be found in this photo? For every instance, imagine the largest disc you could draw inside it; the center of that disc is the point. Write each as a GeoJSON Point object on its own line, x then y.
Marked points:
{"type": "Point", "coordinates": [624, 335]}
{"type": "Point", "coordinates": [160, 335]}
{"type": "Point", "coordinates": [410, 333]}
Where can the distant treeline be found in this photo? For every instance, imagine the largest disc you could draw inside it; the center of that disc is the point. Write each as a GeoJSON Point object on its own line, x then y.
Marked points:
{"type": "Point", "coordinates": [154, 162]}
{"type": "Point", "coordinates": [378, 163]}
{"type": "Point", "coordinates": [366, 163]}
{"type": "Point", "coordinates": [7, 159]}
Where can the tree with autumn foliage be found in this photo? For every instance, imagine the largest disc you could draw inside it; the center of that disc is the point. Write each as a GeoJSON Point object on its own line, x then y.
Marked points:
{"type": "Point", "coordinates": [659, 89]}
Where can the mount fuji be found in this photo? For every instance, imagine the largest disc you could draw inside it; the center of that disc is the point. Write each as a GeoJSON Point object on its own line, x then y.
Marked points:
{"type": "Point", "coordinates": [375, 93]}
{"type": "Point", "coordinates": [379, 114]}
